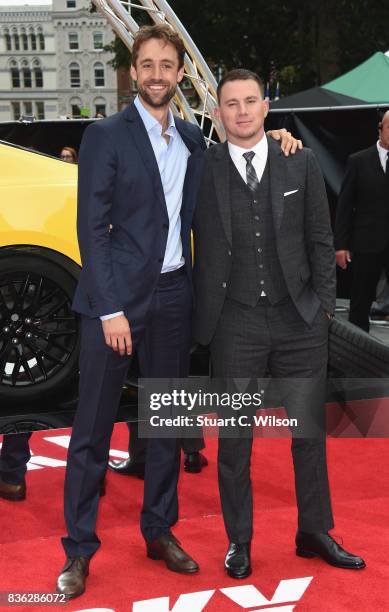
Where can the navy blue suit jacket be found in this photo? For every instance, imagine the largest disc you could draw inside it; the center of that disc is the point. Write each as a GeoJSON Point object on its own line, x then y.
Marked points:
{"type": "Point", "coordinates": [119, 183]}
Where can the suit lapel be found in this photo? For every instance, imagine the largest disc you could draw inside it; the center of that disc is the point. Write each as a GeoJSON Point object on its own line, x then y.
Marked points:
{"type": "Point", "coordinates": [143, 144]}
{"type": "Point", "coordinates": [277, 170]}
{"type": "Point", "coordinates": [221, 176]}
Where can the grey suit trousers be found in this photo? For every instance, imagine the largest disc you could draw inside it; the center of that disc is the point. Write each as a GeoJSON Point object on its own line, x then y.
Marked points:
{"type": "Point", "coordinates": [251, 342]}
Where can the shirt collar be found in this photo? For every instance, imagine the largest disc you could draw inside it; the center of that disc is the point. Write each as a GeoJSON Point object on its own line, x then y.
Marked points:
{"type": "Point", "coordinates": [260, 149]}
{"type": "Point", "coordinates": [382, 152]}
{"type": "Point", "coordinates": [151, 122]}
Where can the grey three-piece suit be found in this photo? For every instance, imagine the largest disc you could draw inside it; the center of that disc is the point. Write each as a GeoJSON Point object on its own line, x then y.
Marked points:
{"type": "Point", "coordinates": [264, 281]}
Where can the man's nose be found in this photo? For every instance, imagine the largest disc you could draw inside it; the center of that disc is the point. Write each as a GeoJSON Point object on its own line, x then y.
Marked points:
{"type": "Point", "coordinates": [156, 74]}
{"type": "Point", "coordinates": [242, 109]}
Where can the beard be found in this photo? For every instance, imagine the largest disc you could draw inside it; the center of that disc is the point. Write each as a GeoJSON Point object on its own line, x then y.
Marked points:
{"type": "Point", "coordinates": [156, 100]}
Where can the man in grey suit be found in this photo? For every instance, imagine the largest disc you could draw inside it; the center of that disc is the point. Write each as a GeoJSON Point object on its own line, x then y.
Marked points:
{"type": "Point", "coordinates": [264, 281]}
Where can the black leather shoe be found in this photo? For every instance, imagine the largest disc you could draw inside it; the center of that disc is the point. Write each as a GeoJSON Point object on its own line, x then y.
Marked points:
{"type": "Point", "coordinates": [128, 467]}
{"type": "Point", "coordinates": [237, 561]}
{"type": "Point", "coordinates": [71, 581]}
{"type": "Point", "coordinates": [12, 492]}
{"type": "Point", "coordinates": [194, 462]}
{"type": "Point", "coordinates": [168, 549]}
{"type": "Point", "coordinates": [323, 545]}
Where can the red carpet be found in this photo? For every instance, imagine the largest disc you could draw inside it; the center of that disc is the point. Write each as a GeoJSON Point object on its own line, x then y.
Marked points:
{"type": "Point", "coordinates": [121, 575]}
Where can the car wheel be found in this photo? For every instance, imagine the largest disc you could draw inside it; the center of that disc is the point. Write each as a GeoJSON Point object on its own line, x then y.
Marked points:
{"type": "Point", "coordinates": [39, 332]}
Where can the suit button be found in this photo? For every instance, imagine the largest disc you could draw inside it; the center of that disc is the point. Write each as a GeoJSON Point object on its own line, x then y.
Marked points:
{"type": "Point", "coordinates": [224, 285]}
{"type": "Point", "coordinates": [160, 259]}
{"type": "Point", "coordinates": [255, 201]}
{"type": "Point", "coordinates": [262, 282]}
{"type": "Point", "coordinates": [229, 252]}
{"type": "Point", "coordinates": [257, 233]}
{"type": "Point", "coordinates": [259, 250]}
{"type": "Point", "coordinates": [256, 218]}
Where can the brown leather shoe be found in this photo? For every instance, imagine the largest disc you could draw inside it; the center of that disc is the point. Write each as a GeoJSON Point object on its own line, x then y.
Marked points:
{"type": "Point", "coordinates": [71, 581]}
{"type": "Point", "coordinates": [12, 492]}
{"type": "Point", "coordinates": [168, 549]}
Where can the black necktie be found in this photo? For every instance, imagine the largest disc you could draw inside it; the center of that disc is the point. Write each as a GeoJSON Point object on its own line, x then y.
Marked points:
{"type": "Point", "coordinates": [251, 175]}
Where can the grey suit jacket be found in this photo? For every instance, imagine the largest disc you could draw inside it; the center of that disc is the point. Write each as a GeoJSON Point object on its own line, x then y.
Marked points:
{"type": "Point", "coordinates": [303, 234]}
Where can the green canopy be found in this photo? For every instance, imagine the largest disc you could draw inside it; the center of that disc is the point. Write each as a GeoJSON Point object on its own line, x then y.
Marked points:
{"type": "Point", "coordinates": [368, 82]}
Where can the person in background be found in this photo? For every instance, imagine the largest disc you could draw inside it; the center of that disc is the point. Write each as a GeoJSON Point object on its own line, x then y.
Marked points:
{"type": "Point", "coordinates": [69, 155]}
{"type": "Point", "coordinates": [14, 456]}
{"type": "Point", "coordinates": [362, 223]}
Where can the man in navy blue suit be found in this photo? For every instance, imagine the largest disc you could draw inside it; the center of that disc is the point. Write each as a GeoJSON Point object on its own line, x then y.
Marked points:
{"type": "Point", "coordinates": [138, 175]}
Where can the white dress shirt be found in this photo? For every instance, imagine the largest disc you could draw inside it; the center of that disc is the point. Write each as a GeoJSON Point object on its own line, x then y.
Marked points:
{"type": "Point", "coordinates": [259, 159]}
{"type": "Point", "coordinates": [383, 154]}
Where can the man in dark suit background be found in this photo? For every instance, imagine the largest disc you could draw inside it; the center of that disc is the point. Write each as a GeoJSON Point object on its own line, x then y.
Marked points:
{"type": "Point", "coordinates": [14, 456]}
{"type": "Point", "coordinates": [362, 223]}
{"type": "Point", "coordinates": [264, 279]}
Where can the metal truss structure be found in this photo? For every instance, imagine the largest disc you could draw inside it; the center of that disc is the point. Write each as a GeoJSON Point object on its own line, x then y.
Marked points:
{"type": "Point", "coordinates": [120, 17]}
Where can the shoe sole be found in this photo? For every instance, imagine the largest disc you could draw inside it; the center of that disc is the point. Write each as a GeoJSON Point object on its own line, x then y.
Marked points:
{"type": "Point", "coordinates": [70, 596]}
{"type": "Point", "coordinates": [239, 576]}
{"type": "Point", "coordinates": [156, 557]}
{"type": "Point", "coordinates": [11, 497]}
{"type": "Point", "coordinates": [307, 554]}
{"type": "Point", "coordinates": [192, 470]}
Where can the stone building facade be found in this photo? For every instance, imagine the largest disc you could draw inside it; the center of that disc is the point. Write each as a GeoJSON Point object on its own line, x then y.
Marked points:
{"type": "Point", "coordinates": [52, 62]}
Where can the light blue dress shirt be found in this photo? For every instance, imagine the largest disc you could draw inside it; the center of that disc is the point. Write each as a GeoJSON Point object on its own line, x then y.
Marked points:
{"type": "Point", "coordinates": [172, 159]}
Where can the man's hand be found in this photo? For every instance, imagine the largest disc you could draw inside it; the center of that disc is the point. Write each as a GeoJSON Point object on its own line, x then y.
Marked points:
{"type": "Point", "coordinates": [343, 258]}
{"type": "Point", "coordinates": [288, 143]}
{"type": "Point", "coordinates": [118, 334]}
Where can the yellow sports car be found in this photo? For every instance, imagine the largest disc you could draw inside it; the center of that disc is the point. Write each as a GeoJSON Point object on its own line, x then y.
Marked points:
{"type": "Point", "coordinates": [39, 267]}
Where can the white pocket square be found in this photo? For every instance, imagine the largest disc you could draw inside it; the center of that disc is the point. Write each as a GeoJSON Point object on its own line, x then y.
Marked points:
{"type": "Point", "coordinates": [290, 192]}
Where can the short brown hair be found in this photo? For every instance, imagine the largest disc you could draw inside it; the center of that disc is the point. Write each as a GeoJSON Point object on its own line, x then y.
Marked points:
{"type": "Point", "coordinates": [240, 74]}
{"type": "Point", "coordinates": [160, 31]}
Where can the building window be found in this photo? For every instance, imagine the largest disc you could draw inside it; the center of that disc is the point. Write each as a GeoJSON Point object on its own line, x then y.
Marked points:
{"type": "Point", "coordinates": [97, 40]}
{"type": "Point", "coordinates": [76, 111]}
{"type": "Point", "coordinates": [15, 75]}
{"type": "Point", "coordinates": [27, 107]}
{"type": "Point", "coordinates": [73, 41]}
{"type": "Point", "coordinates": [38, 75]}
{"type": "Point", "coordinates": [41, 39]}
{"type": "Point", "coordinates": [75, 79]}
{"type": "Point", "coordinates": [99, 75]}
{"type": "Point", "coordinates": [101, 109]}
{"type": "Point", "coordinates": [70, 3]}
{"type": "Point", "coordinates": [33, 41]}
{"type": "Point", "coordinates": [16, 42]}
{"type": "Point", "coordinates": [27, 80]}
{"type": "Point", "coordinates": [16, 110]}
{"type": "Point", "coordinates": [25, 42]}
{"type": "Point", "coordinates": [8, 41]}
{"type": "Point", "coordinates": [39, 110]}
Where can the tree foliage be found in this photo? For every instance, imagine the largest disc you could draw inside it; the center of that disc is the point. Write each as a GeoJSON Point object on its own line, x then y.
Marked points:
{"type": "Point", "coordinates": [301, 43]}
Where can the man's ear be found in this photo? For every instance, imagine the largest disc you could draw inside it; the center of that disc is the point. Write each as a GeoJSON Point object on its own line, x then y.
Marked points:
{"type": "Point", "coordinates": [180, 74]}
{"type": "Point", "coordinates": [265, 107]}
{"type": "Point", "coordinates": [216, 112]}
{"type": "Point", "coordinates": [133, 73]}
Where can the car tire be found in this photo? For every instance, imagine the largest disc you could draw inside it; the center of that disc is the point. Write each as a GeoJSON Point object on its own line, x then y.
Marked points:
{"type": "Point", "coordinates": [39, 332]}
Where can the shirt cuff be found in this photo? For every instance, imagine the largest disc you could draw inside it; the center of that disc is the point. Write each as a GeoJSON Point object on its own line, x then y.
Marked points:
{"type": "Point", "coordinates": [111, 316]}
